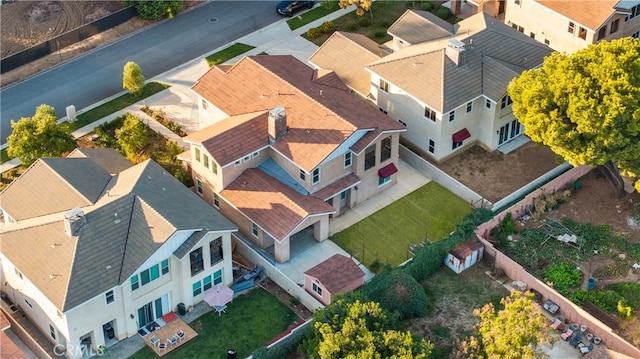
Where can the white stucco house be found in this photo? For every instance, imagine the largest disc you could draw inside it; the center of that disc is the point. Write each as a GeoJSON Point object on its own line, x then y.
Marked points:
{"type": "Point", "coordinates": [93, 249]}
{"type": "Point", "coordinates": [446, 83]}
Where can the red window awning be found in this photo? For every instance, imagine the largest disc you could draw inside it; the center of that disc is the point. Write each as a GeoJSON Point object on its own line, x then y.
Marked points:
{"type": "Point", "coordinates": [387, 170]}
{"type": "Point", "coordinates": [461, 135]}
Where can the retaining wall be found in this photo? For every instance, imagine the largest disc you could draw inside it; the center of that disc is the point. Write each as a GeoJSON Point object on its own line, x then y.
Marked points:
{"type": "Point", "coordinates": [26, 338]}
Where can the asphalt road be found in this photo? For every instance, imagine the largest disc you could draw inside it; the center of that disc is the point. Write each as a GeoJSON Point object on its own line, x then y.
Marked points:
{"type": "Point", "coordinates": [98, 74]}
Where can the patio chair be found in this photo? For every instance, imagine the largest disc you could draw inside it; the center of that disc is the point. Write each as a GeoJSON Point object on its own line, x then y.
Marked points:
{"type": "Point", "coordinates": [566, 334]}
{"type": "Point", "coordinates": [558, 324]}
{"type": "Point", "coordinates": [576, 339]}
{"type": "Point", "coordinates": [181, 335]}
{"type": "Point", "coordinates": [584, 349]}
{"type": "Point", "coordinates": [154, 341]}
{"type": "Point", "coordinates": [172, 340]}
{"type": "Point", "coordinates": [162, 347]}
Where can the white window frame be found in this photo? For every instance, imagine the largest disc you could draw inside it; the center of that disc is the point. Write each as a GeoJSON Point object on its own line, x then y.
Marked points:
{"type": "Point", "coordinates": [315, 176]}
{"type": "Point", "coordinates": [348, 159]}
{"type": "Point", "coordinates": [487, 104]}
{"type": "Point", "coordinates": [452, 115]}
{"type": "Point", "coordinates": [469, 106]}
{"type": "Point", "coordinates": [52, 332]}
{"type": "Point", "coordinates": [384, 86]}
{"type": "Point", "coordinates": [254, 229]}
{"type": "Point", "coordinates": [199, 187]}
{"type": "Point", "coordinates": [216, 200]}
{"type": "Point", "coordinates": [302, 175]}
{"type": "Point", "coordinates": [431, 114]}
{"type": "Point", "coordinates": [572, 28]}
{"type": "Point", "coordinates": [431, 148]}
{"type": "Point", "coordinates": [343, 195]}
{"type": "Point", "coordinates": [383, 180]}
{"type": "Point", "coordinates": [255, 154]}
{"type": "Point", "coordinates": [316, 288]}
{"type": "Point", "coordinates": [107, 296]}
{"type": "Point", "coordinates": [237, 163]}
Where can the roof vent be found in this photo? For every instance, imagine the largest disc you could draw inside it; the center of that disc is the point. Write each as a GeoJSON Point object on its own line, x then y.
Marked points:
{"type": "Point", "coordinates": [116, 220]}
{"type": "Point", "coordinates": [455, 51]}
{"type": "Point", "coordinates": [73, 221]}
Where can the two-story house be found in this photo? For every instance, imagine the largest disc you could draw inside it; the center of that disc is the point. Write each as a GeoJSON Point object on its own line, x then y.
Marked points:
{"type": "Point", "coordinates": [92, 257]}
{"type": "Point", "coordinates": [286, 147]}
{"type": "Point", "coordinates": [571, 25]}
{"type": "Point", "coordinates": [447, 84]}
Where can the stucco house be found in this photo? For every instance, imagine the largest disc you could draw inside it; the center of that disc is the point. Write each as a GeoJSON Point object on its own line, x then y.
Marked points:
{"type": "Point", "coordinates": [571, 25]}
{"type": "Point", "coordinates": [284, 148]}
{"type": "Point", "coordinates": [338, 274]}
{"type": "Point", "coordinates": [91, 257]}
{"type": "Point", "coordinates": [447, 84]}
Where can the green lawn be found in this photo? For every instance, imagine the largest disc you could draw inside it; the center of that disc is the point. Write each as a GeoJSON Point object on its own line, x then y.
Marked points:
{"type": "Point", "coordinates": [250, 322]}
{"type": "Point", "coordinates": [431, 212]}
{"type": "Point", "coordinates": [313, 15]}
{"type": "Point", "coordinates": [228, 53]}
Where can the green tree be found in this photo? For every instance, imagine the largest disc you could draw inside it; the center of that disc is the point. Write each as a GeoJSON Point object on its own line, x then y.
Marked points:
{"type": "Point", "coordinates": [38, 136]}
{"type": "Point", "coordinates": [513, 332]}
{"type": "Point", "coordinates": [155, 9]}
{"type": "Point", "coordinates": [132, 78]}
{"type": "Point", "coordinates": [585, 106]}
{"type": "Point", "coordinates": [363, 332]}
{"type": "Point", "coordinates": [362, 6]}
{"type": "Point", "coordinates": [132, 137]}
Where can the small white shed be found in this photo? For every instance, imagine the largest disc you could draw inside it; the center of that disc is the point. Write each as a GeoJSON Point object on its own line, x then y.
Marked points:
{"type": "Point", "coordinates": [464, 255]}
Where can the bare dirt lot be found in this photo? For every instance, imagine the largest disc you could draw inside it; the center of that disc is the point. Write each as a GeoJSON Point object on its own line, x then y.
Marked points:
{"type": "Point", "coordinates": [494, 175]}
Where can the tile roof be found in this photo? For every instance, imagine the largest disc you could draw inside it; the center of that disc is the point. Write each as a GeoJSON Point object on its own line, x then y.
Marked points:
{"type": "Point", "coordinates": [233, 138]}
{"type": "Point", "coordinates": [273, 206]}
{"type": "Point", "coordinates": [347, 54]}
{"type": "Point", "coordinates": [140, 209]}
{"type": "Point", "coordinates": [321, 112]}
{"type": "Point", "coordinates": [494, 54]}
{"type": "Point", "coordinates": [336, 272]}
{"type": "Point", "coordinates": [108, 159]}
{"type": "Point", "coordinates": [54, 185]}
{"type": "Point", "coordinates": [591, 14]}
{"type": "Point", "coordinates": [415, 26]}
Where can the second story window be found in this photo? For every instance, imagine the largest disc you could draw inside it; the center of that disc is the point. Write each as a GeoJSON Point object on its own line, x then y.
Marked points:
{"type": "Point", "coordinates": [430, 114]}
{"type": "Point", "coordinates": [204, 104]}
{"type": "Point", "coordinates": [109, 297]}
{"type": "Point", "coordinates": [196, 261]}
{"type": "Point", "coordinates": [215, 250]}
{"type": "Point", "coordinates": [214, 167]}
{"type": "Point", "coordinates": [303, 175]}
{"type": "Point", "coordinates": [469, 106]}
{"type": "Point", "coordinates": [572, 27]}
{"type": "Point", "coordinates": [385, 149]}
{"type": "Point", "coordinates": [199, 186]}
{"type": "Point", "coordinates": [614, 25]}
{"type": "Point", "coordinates": [602, 33]}
{"type": "Point", "coordinates": [205, 160]}
{"type": "Point", "coordinates": [452, 116]}
{"type": "Point", "coordinates": [506, 101]}
{"type": "Point", "coordinates": [487, 103]}
{"type": "Point", "coordinates": [216, 200]}
{"type": "Point", "coordinates": [315, 176]}
{"type": "Point", "coordinates": [384, 85]}
{"type": "Point", "coordinates": [369, 157]}
{"type": "Point", "coordinates": [347, 159]}
{"type": "Point", "coordinates": [198, 154]}
{"type": "Point", "coordinates": [254, 229]}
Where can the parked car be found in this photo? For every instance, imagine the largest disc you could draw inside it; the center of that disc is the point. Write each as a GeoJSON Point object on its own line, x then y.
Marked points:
{"type": "Point", "coordinates": [288, 8]}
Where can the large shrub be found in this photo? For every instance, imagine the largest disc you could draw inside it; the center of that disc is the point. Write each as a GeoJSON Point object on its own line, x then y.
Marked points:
{"type": "Point", "coordinates": [443, 12]}
{"type": "Point", "coordinates": [156, 9]}
{"type": "Point", "coordinates": [313, 33]}
{"type": "Point", "coordinates": [426, 6]}
{"type": "Point", "coordinates": [397, 291]}
{"type": "Point", "coordinates": [327, 27]}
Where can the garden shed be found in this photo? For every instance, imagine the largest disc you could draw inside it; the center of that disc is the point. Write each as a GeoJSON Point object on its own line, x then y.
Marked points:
{"type": "Point", "coordinates": [464, 255]}
{"type": "Point", "coordinates": [336, 275]}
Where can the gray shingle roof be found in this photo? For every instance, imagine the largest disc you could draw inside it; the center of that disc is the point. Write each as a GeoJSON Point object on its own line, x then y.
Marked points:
{"type": "Point", "coordinates": [54, 185]}
{"type": "Point", "coordinates": [107, 158]}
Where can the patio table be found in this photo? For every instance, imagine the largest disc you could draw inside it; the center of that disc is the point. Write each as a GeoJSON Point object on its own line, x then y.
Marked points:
{"type": "Point", "coordinates": [220, 309]}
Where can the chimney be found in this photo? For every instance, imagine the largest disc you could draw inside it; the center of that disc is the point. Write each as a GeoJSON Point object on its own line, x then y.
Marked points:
{"type": "Point", "coordinates": [74, 220]}
{"type": "Point", "coordinates": [456, 6]}
{"type": "Point", "coordinates": [455, 51]}
{"type": "Point", "coordinates": [277, 123]}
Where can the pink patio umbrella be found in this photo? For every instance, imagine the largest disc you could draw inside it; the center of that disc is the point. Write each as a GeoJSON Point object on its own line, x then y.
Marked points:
{"type": "Point", "coordinates": [218, 295]}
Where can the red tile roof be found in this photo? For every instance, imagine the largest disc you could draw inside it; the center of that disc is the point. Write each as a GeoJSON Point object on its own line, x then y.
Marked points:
{"type": "Point", "coordinates": [321, 112]}
{"type": "Point", "coordinates": [336, 272]}
{"type": "Point", "coordinates": [273, 206]}
{"type": "Point", "coordinates": [463, 250]}
{"type": "Point", "coordinates": [336, 187]}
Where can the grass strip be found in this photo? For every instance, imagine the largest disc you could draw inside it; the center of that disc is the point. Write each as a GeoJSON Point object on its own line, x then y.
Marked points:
{"type": "Point", "coordinates": [228, 53]}
{"type": "Point", "coordinates": [312, 15]}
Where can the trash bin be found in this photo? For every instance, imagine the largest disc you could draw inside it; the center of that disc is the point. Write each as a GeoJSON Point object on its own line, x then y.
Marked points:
{"type": "Point", "coordinates": [182, 310]}
{"type": "Point", "coordinates": [591, 283]}
{"type": "Point", "coordinates": [231, 354]}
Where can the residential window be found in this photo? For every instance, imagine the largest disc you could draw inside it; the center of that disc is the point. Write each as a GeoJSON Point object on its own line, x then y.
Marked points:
{"type": "Point", "coordinates": [582, 33]}
{"type": "Point", "coordinates": [430, 114]}
{"type": "Point", "coordinates": [215, 250]}
{"type": "Point", "coordinates": [134, 282]}
{"type": "Point", "coordinates": [547, 42]}
{"type": "Point", "coordinates": [517, 2]}
{"type": "Point", "coordinates": [343, 195]}
{"type": "Point", "coordinates": [214, 167]}
{"type": "Point", "coordinates": [385, 149]}
{"type": "Point", "coordinates": [28, 303]}
{"type": "Point", "coordinates": [145, 277]}
{"type": "Point", "coordinates": [636, 35]}
{"type": "Point", "coordinates": [247, 158]}
{"type": "Point", "coordinates": [347, 159]}
{"type": "Point", "coordinates": [506, 101]}
{"type": "Point", "coordinates": [52, 332]}
{"type": "Point", "coordinates": [532, 35]}
{"type": "Point", "coordinates": [383, 110]}
{"type": "Point", "coordinates": [614, 25]}
{"type": "Point", "coordinates": [382, 181]}
{"type": "Point", "coordinates": [109, 297]}
{"type": "Point", "coordinates": [432, 146]}
{"type": "Point", "coordinates": [217, 277]}
{"type": "Point", "coordinates": [487, 103]}
{"type": "Point", "coordinates": [197, 262]}
{"type": "Point", "coordinates": [154, 272]}
{"type": "Point", "coordinates": [206, 282]}
{"type": "Point", "coordinates": [255, 154]}
{"type": "Point", "coordinates": [199, 186]}
{"type": "Point", "coordinates": [237, 163]}
{"type": "Point", "coordinates": [469, 106]}
{"type": "Point", "coordinates": [402, 123]}
{"type": "Point", "coordinates": [204, 104]}
{"type": "Point", "coordinates": [216, 200]}
{"type": "Point", "coordinates": [316, 288]}
{"type": "Point", "coordinates": [572, 27]}
{"type": "Point", "coordinates": [205, 160]}
{"type": "Point", "coordinates": [254, 229]}
{"type": "Point", "coordinates": [602, 33]}
{"type": "Point", "coordinates": [384, 85]}
{"type": "Point", "coordinates": [303, 175]}
{"type": "Point", "coordinates": [197, 288]}
{"type": "Point", "coordinates": [369, 157]}
{"type": "Point", "coordinates": [165, 266]}
{"type": "Point", "coordinates": [635, 11]}
{"type": "Point", "coordinates": [456, 145]}
{"type": "Point", "coordinates": [452, 116]}
{"type": "Point", "coordinates": [315, 176]}
{"type": "Point", "coordinates": [521, 29]}
{"type": "Point", "coordinates": [198, 154]}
